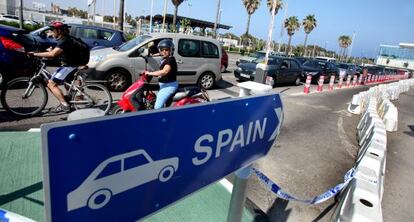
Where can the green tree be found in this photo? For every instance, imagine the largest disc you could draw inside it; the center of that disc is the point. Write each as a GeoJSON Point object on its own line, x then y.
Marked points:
{"type": "Point", "coordinates": [309, 23]}
{"type": "Point", "coordinates": [292, 25]}
{"type": "Point", "coordinates": [251, 6]}
{"type": "Point", "coordinates": [344, 42]}
{"type": "Point", "coordinates": [176, 3]}
{"type": "Point", "coordinates": [279, 5]}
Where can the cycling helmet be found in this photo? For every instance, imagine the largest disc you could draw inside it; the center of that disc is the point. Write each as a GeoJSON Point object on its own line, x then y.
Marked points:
{"type": "Point", "coordinates": [58, 25]}
{"type": "Point", "coordinates": [166, 43]}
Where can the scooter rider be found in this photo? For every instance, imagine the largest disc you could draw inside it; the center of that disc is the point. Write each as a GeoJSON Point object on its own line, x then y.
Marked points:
{"type": "Point", "coordinates": [167, 74]}
{"type": "Point", "coordinates": [60, 32]}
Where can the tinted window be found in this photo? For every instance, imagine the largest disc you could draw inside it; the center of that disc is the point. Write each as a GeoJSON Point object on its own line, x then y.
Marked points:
{"type": "Point", "coordinates": [86, 33]}
{"type": "Point", "coordinates": [111, 168]}
{"type": "Point", "coordinates": [294, 64]}
{"type": "Point", "coordinates": [210, 50]}
{"type": "Point", "coordinates": [134, 161]}
{"type": "Point", "coordinates": [343, 66]}
{"type": "Point", "coordinates": [106, 35]}
{"type": "Point", "coordinates": [284, 64]}
{"type": "Point", "coordinates": [189, 48]}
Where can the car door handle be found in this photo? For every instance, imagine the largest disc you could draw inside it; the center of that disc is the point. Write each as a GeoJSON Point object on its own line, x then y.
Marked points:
{"type": "Point", "coordinates": [180, 61]}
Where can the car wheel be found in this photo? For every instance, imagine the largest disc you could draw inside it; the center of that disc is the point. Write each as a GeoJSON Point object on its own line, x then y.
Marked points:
{"type": "Point", "coordinates": [297, 81]}
{"type": "Point", "coordinates": [118, 80]}
{"type": "Point", "coordinates": [206, 80]}
{"type": "Point", "coordinates": [99, 199]}
{"type": "Point", "coordinates": [166, 173]}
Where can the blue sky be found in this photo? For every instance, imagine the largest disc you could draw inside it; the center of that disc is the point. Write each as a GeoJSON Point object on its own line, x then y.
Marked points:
{"type": "Point", "coordinates": [374, 22]}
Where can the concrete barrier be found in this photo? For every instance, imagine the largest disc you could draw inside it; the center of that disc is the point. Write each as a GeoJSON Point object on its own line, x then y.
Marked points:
{"type": "Point", "coordinates": [361, 201]}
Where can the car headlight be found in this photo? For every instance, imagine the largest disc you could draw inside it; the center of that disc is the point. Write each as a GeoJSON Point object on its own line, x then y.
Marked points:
{"type": "Point", "coordinates": [239, 69]}
{"type": "Point", "coordinates": [96, 59]}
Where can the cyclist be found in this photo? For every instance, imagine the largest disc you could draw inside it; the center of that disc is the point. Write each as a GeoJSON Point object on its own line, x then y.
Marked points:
{"type": "Point", "coordinates": [167, 74]}
{"type": "Point", "coordinates": [63, 50]}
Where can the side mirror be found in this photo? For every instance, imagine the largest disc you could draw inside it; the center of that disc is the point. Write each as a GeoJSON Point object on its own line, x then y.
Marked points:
{"type": "Point", "coordinates": [143, 52]}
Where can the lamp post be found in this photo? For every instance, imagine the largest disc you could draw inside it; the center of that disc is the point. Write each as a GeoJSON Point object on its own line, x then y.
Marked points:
{"type": "Point", "coordinates": [217, 18]}
{"type": "Point", "coordinates": [152, 8]}
{"type": "Point", "coordinates": [164, 14]}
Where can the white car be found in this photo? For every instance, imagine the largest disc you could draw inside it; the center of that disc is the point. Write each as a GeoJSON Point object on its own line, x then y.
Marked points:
{"type": "Point", "coordinates": [114, 175]}
{"type": "Point", "coordinates": [198, 60]}
{"type": "Point", "coordinates": [13, 18]}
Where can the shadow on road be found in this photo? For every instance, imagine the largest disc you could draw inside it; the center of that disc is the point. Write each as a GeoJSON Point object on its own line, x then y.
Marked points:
{"type": "Point", "coordinates": [223, 84]}
{"type": "Point", "coordinates": [278, 211]}
{"type": "Point", "coordinates": [21, 193]}
{"type": "Point", "coordinates": [410, 133]}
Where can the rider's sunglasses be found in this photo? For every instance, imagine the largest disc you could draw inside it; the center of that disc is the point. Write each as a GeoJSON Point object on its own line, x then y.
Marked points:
{"type": "Point", "coordinates": [165, 49]}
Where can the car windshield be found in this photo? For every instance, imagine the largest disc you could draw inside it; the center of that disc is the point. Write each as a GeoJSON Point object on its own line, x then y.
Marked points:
{"type": "Point", "coordinates": [343, 66]}
{"type": "Point", "coordinates": [272, 60]}
{"type": "Point", "coordinates": [257, 54]}
{"type": "Point", "coordinates": [132, 43]}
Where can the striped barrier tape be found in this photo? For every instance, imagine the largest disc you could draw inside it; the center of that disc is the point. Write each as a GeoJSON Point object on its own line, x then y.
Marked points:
{"type": "Point", "coordinates": [316, 200]}
{"type": "Point", "coordinates": [7, 216]}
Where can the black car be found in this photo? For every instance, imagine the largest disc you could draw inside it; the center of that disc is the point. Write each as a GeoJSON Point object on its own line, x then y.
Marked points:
{"type": "Point", "coordinates": [348, 69]}
{"type": "Point", "coordinates": [281, 69]}
{"type": "Point", "coordinates": [317, 68]}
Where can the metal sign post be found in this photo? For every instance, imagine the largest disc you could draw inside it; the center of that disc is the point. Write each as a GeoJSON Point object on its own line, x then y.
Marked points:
{"type": "Point", "coordinates": [136, 164]}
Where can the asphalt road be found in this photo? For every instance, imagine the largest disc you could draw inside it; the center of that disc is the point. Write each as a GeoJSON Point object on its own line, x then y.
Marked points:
{"type": "Point", "coordinates": [317, 145]}
{"type": "Point", "coordinates": [399, 176]}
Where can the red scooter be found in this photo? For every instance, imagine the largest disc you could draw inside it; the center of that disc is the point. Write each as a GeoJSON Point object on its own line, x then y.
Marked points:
{"type": "Point", "coordinates": [139, 96]}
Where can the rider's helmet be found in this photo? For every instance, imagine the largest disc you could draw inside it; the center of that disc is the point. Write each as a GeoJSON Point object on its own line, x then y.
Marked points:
{"type": "Point", "coordinates": [58, 25]}
{"type": "Point", "coordinates": [166, 43]}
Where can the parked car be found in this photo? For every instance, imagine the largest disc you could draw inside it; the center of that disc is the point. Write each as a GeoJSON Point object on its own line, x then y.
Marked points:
{"type": "Point", "coordinates": [198, 59]}
{"type": "Point", "coordinates": [14, 43]}
{"type": "Point", "coordinates": [317, 68]}
{"type": "Point", "coordinates": [251, 57]}
{"type": "Point", "coordinates": [94, 36]}
{"type": "Point", "coordinates": [281, 69]}
{"type": "Point", "coordinates": [224, 60]}
{"type": "Point", "coordinates": [13, 18]}
{"type": "Point", "coordinates": [348, 69]}
{"type": "Point", "coordinates": [325, 59]}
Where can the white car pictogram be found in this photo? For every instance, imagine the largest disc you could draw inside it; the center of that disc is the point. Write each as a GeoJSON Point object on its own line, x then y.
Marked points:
{"type": "Point", "coordinates": [118, 174]}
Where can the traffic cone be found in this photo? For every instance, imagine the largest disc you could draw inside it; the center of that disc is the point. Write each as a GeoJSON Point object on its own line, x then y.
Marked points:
{"type": "Point", "coordinates": [307, 84]}
{"type": "Point", "coordinates": [320, 83]}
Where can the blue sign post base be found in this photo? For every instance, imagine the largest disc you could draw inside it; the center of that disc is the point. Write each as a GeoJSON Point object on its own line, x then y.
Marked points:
{"type": "Point", "coordinates": [138, 163]}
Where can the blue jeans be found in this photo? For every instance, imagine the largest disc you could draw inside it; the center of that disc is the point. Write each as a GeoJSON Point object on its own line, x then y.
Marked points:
{"type": "Point", "coordinates": [166, 91]}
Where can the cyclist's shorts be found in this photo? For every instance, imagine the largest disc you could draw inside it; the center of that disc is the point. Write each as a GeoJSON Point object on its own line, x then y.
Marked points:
{"type": "Point", "coordinates": [64, 73]}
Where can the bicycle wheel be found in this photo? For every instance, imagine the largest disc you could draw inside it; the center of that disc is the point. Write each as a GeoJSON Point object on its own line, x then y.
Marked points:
{"type": "Point", "coordinates": [14, 100]}
{"type": "Point", "coordinates": [92, 95]}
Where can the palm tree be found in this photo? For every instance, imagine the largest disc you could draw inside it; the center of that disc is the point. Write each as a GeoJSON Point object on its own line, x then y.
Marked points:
{"type": "Point", "coordinates": [291, 24]}
{"type": "Point", "coordinates": [279, 5]}
{"type": "Point", "coordinates": [121, 15]}
{"type": "Point", "coordinates": [344, 42]}
{"type": "Point", "coordinates": [309, 23]}
{"type": "Point", "coordinates": [251, 6]}
{"type": "Point", "coordinates": [176, 3]}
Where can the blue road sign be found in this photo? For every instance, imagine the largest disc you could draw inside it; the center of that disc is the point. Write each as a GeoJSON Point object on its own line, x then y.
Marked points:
{"type": "Point", "coordinates": [126, 167]}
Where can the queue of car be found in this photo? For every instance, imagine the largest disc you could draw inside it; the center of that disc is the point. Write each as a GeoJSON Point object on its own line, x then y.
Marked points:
{"type": "Point", "coordinates": [315, 67]}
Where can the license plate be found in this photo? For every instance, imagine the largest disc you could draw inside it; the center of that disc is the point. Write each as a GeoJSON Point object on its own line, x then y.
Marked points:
{"type": "Point", "coordinates": [245, 75]}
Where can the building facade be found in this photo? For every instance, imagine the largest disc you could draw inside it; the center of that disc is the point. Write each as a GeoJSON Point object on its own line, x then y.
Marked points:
{"type": "Point", "coordinates": [8, 7]}
{"type": "Point", "coordinates": [401, 56]}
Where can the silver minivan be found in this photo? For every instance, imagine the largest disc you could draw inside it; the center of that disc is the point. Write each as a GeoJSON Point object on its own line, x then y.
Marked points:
{"type": "Point", "coordinates": [198, 59]}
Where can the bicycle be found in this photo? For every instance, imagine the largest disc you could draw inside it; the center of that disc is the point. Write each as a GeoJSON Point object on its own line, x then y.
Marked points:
{"type": "Point", "coordinates": [27, 96]}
